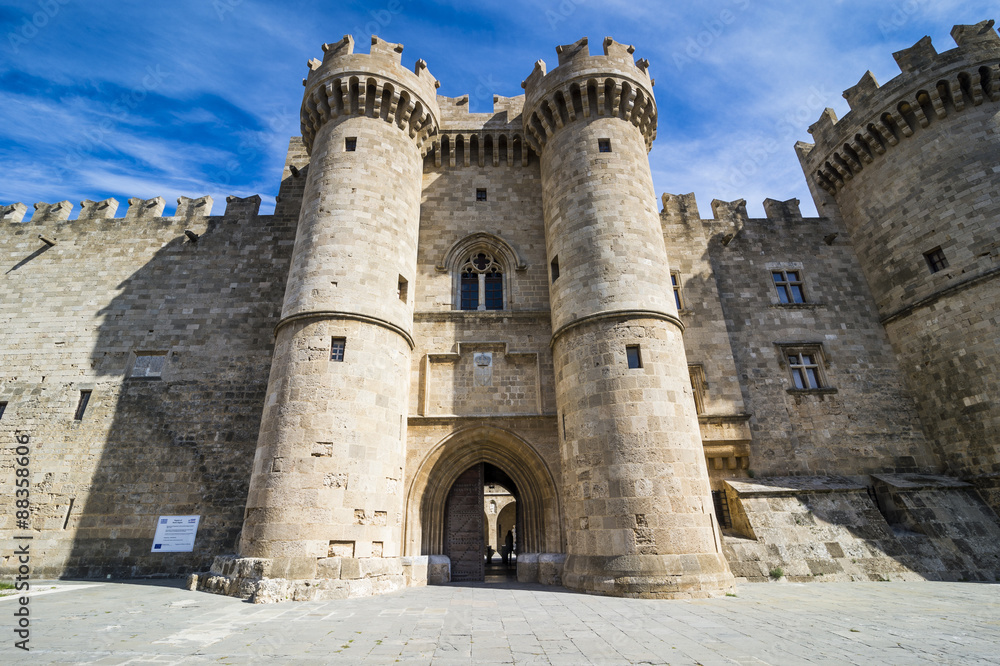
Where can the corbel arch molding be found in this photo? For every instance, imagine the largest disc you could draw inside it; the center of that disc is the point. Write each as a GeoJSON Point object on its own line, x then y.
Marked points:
{"type": "Point", "coordinates": [427, 495]}
{"type": "Point", "coordinates": [481, 241]}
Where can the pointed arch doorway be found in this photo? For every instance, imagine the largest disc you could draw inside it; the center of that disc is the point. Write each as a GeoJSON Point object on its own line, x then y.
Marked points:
{"type": "Point", "coordinates": [470, 458]}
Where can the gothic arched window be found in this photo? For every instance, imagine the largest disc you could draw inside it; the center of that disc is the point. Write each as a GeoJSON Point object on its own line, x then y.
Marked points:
{"type": "Point", "coordinates": [481, 282]}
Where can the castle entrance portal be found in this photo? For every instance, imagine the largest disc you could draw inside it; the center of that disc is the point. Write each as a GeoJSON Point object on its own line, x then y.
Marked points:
{"type": "Point", "coordinates": [445, 509]}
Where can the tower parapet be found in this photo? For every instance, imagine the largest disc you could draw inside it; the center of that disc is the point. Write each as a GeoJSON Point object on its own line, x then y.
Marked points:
{"type": "Point", "coordinates": [582, 86]}
{"type": "Point", "coordinates": [375, 84]}
{"type": "Point", "coordinates": [931, 87]}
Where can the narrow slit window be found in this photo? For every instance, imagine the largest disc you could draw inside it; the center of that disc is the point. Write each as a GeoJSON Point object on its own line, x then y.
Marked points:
{"type": "Point", "coordinates": [403, 288]}
{"type": "Point", "coordinates": [936, 261]}
{"type": "Point", "coordinates": [604, 145]}
{"type": "Point", "coordinates": [351, 144]}
{"type": "Point", "coordinates": [555, 268]}
{"type": "Point", "coordinates": [480, 195]}
{"type": "Point", "coordinates": [675, 282]}
{"type": "Point", "coordinates": [789, 286]}
{"type": "Point", "coordinates": [81, 406]}
{"type": "Point", "coordinates": [337, 347]}
{"type": "Point", "coordinates": [633, 356]}
{"type": "Point", "coordinates": [3, 408]}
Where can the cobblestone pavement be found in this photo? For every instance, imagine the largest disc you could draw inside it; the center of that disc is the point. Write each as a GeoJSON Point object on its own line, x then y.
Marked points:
{"type": "Point", "coordinates": [779, 623]}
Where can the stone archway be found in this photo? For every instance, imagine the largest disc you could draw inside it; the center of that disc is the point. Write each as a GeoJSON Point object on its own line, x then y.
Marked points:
{"type": "Point", "coordinates": [540, 524]}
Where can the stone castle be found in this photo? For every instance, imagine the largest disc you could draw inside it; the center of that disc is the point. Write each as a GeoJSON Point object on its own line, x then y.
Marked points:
{"type": "Point", "coordinates": [446, 301]}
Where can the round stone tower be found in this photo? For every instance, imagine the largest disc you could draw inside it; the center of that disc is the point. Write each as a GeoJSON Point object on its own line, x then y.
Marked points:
{"type": "Point", "coordinates": [328, 473]}
{"type": "Point", "coordinates": [638, 508]}
{"type": "Point", "coordinates": [913, 170]}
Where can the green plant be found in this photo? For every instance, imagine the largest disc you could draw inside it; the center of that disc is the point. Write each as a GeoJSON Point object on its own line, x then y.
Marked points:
{"type": "Point", "coordinates": [750, 473]}
{"type": "Point", "coordinates": [5, 585]}
{"type": "Point", "coordinates": [776, 573]}
{"type": "Point", "coordinates": [730, 594]}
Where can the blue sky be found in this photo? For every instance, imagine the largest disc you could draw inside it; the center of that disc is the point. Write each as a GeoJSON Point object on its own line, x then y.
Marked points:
{"type": "Point", "coordinates": [185, 97]}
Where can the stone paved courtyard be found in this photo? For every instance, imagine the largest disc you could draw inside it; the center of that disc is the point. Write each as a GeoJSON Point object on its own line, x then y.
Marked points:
{"type": "Point", "coordinates": [779, 623]}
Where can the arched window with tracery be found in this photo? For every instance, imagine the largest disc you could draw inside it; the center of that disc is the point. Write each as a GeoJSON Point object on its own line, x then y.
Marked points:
{"type": "Point", "coordinates": [481, 282]}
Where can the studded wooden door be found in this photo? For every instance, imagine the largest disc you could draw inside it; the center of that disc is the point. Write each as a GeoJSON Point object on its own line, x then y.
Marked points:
{"type": "Point", "coordinates": [464, 526]}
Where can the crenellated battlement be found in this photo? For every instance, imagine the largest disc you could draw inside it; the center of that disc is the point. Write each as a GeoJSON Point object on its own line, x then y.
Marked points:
{"type": "Point", "coordinates": [375, 84]}
{"type": "Point", "coordinates": [139, 210]}
{"type": "Point", "coordinates": [931, 87]}
{"type": "Point", "coordinates": [583, 85]}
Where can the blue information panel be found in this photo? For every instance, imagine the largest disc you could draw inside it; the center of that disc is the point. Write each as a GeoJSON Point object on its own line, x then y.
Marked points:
{"type": "Point", "coordinates": [175, 534]}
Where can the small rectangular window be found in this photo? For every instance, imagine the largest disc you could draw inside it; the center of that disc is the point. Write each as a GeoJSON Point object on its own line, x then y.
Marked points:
{"type": "Point", "coordinates": [3, 408]}
{"type": "Point", "coordinates": [555, 269]}
{"type": "Point", "coordinates": [805, 370]}
{"type": "Point", "coordinates": [81, 406]}
{"type": "Point", "coordinates": [480, 195]}
{"type": "Point", "coordinates": [337, 347]}
{"type": "Point", "coordinates": [148, 365]}
{"type": "Point", "coordinates": [675, 281]}
{"type": "Point", "coordinates": [402, 288]}
{"type": "Point", "coordinates": [604, 145]}
{"type": "Point", "coordinates": [936, 260]}
{"type": "Point", "coordinates": [789, 286]}
{"type": "Point", "coordinates": [633, 356]}
{"type": "Point", "coordinates": [351, 144]}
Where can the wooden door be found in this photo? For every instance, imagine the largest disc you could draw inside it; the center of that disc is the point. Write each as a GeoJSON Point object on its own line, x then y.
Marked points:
{"type": "Point", "coordinates": [464, 526]}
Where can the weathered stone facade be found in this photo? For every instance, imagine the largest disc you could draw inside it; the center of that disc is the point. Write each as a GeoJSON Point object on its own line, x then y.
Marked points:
{"type": "Point", "coordinates": [670, 400]}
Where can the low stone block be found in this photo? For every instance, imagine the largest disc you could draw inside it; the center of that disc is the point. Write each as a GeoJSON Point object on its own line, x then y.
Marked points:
{"type": "Point", "coordinates": [438, 570]}
{"type": "Point", "coordinates": [550, 568]}
{"type": "Point", "coordinates": [527, 568]}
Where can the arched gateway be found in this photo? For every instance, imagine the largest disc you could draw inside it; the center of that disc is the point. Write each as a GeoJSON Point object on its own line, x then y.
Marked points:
{"type": "Point", "coordinates": [539, 523]}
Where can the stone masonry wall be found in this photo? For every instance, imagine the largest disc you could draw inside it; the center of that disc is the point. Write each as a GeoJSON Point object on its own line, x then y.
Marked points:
{"type": "Point", "coordinates": [74, 315]}
{"type": "Point", "coordinates": [861, 419]}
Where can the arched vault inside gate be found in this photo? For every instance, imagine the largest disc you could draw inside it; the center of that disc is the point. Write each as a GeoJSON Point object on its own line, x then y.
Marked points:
{"type": "Point", "coordinates": [540, 528]}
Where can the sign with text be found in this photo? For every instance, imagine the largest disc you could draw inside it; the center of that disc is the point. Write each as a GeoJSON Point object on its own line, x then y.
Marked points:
{"type": "Point", "coordinates": [175, 534]}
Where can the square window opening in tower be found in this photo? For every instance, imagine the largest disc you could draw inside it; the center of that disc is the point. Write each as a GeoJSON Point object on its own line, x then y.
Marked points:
{"type": "Point", "coordinates": [936, 261]}
{"type": "Point", "coordinates": [633, 356]}
{"type": "Point", "coordinates": [337, 347]}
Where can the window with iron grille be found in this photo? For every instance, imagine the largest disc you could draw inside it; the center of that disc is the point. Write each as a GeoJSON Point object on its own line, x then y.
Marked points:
{"type": "Point", "coordinates": [337, 347]}
{"type": "Point", "coordinates": [936, 261]}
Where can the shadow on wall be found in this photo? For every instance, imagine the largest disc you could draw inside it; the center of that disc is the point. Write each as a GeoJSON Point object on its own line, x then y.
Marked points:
{"type": "Point", "coordinates": [178, 370]}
